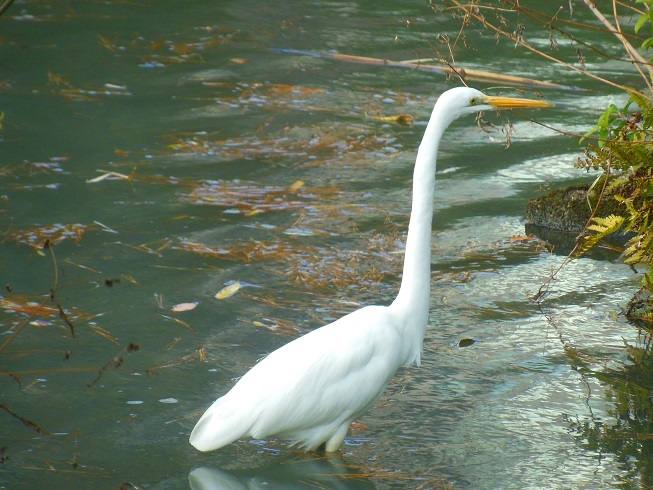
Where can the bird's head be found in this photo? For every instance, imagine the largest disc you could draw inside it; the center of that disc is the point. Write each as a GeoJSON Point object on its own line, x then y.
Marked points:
{"type": "Point", "coordinates": [459, 101]}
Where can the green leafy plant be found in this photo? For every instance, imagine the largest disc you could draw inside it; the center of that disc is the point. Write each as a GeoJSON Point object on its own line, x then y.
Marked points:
{"type": "Point", "coordinates": [624, 152]}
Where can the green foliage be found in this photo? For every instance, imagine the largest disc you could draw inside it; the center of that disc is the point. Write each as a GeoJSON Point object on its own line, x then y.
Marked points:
{"type": "Point", "coordinates": [609, 122]}
{"type": "Point", "coordinates": [603, 227]}
{"type": "Point", "coordinates": [625, 153]}
{"type": "Point", "coordinates": [643, 20]}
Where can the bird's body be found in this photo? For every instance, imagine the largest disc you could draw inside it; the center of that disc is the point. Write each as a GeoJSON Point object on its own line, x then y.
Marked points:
{"type": "Point", "coordinates": [265, 400]}
{"type": "Point", "coordinates": [311, 389]}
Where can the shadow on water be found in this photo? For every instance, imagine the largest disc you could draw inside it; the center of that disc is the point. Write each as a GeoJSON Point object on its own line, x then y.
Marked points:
{"type": "Point", "coordinates": [564, 242]}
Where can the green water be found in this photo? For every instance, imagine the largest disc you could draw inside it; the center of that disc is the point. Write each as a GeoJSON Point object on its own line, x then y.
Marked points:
{"type": "Point", "coordinates": [232, 162]}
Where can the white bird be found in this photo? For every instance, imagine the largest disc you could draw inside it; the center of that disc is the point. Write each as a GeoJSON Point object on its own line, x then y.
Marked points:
{"type": "Point", "coordinates": [310, 390]}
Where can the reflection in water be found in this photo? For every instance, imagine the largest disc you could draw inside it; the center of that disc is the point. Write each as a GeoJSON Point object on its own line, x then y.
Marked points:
{"type": "Point", "coordinates": [292, 473]}
{"type": "Point", "coordinates": [629, 434]}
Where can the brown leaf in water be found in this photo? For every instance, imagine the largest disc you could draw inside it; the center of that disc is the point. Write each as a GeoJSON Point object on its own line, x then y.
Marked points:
{"type": "Point", "coordinates": [333, 144]}
{"type": "Point", "coordinates": [247, 198]}
{"type": "Point", "coordinates": [36, 237]}
{"type": "Point", "coordinates": [316, 267]}
{"type": "Point", "coordinates": [25, 305]}
{"type": "Point", "coordinates": [283, 89]}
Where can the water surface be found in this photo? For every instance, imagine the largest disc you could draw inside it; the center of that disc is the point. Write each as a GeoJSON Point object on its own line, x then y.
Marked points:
{"type": "Point", "coordinates": [231, 162]}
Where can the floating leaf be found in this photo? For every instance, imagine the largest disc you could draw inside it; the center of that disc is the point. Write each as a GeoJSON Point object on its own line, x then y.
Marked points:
{"type": "Point", "coordinates": [184, 307]}
{"type": "Point", "coordinates": [228, 291]}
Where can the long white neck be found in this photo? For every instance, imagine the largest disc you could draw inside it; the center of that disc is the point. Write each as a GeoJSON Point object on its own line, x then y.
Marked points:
{"type": "Point", "coordinates": [412, 302]}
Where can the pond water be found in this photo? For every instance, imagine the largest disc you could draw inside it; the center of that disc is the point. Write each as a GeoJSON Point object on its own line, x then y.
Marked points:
{"type": "Point", "coordinates": [154, 154]}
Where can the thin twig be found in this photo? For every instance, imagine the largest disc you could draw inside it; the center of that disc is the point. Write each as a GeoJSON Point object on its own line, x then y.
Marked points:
{"type": "Point", "coordinates": [544, 288]}
{"type": "Point", "coordinates": [463, 73]}
{"type": "Point", "coordinates": [616, 30]}
{"type": "Point", "coordinates": [521, 42]}
{"type": "Point", "coordinates": [28, 423]}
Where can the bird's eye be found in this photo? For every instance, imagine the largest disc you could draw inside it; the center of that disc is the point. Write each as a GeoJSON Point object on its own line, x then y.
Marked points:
{"type": "Point", "coordinates": [473, 101]}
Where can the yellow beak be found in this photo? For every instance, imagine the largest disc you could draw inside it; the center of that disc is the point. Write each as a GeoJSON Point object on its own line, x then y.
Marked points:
{"type": "Point", "coordinates": [514, 103]}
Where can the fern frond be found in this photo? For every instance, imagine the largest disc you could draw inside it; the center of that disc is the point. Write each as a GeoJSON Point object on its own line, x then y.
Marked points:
{"type": "Point", "coordinates": [602, 228]}
{"type": "Point", "coordinates": [639, 249]}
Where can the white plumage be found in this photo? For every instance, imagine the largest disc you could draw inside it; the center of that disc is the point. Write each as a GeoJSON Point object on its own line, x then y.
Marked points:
{"type": "Point", "coordinates": [311, 389]}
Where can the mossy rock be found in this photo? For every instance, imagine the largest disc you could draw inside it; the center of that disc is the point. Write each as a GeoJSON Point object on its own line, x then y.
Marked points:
{"type": "Point", "coordinates": [569, 209]}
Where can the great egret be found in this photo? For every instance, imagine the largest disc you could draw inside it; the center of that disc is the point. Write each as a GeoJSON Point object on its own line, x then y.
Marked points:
{"type": "Point", "coordinates": [310, 390]}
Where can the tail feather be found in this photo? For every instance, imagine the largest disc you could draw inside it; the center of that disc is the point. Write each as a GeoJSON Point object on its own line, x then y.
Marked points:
{"type": "Point", "coordinates": [218, 427]}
